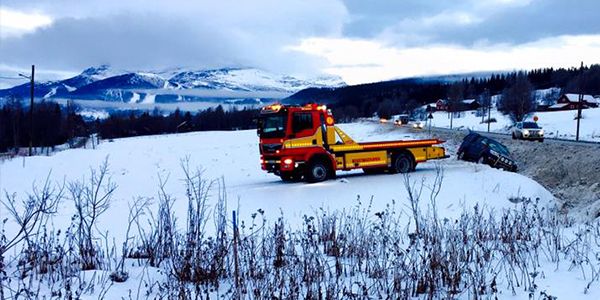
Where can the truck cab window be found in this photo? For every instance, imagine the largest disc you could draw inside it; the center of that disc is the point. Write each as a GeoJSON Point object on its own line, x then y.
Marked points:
{"type": "Point", "coordinates": [302, 121]}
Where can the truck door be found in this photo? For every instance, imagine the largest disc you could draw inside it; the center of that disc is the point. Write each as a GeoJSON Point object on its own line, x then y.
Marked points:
{"type": "Point", "coordinates": [302, 124]}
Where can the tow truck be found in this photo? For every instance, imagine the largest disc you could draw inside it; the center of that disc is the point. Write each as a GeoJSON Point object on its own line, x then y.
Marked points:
{"type": "Point", "coordinates": [302, 143]}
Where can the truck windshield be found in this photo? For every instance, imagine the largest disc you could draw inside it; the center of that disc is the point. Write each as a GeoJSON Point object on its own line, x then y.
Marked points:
{"type": "Point", "coordinates": [272, 126]}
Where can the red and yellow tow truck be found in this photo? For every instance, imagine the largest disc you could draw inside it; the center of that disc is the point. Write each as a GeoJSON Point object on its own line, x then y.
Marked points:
{"type": "Point", "coordinates": [302, 142]}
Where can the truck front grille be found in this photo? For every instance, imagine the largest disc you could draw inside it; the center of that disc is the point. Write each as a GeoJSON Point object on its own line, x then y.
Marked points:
{"type": "Point", "coordinates": [270, 148]}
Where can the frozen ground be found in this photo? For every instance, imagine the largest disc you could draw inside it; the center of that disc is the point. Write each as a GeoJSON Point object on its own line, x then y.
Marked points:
{"type": "Point", "coordinates": [569, 170]}
{"type": "Point", "coordinates": [136, 164]}
{"type": "Point", "coordinates": [560, 124]}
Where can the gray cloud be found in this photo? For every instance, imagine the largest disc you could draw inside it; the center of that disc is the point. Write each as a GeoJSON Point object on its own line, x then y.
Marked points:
{"type": "Point", "coordinates": [151, 35]}
{"type": "Point", "coordinates": [419, 23]}
{"type": "Point", "coordinates": [540, 19]}
{"type": "Point", "coordinates": [369, 18]}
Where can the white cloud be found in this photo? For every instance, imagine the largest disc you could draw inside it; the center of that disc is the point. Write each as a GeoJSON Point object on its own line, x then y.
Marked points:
{"type": "Point", "coordinates": [359, 61]}
{"type": "Point", "coordinates": [392, 38]}
{"type": "Point", "coordinates": [14, 23]}
{"type": "Point", "coordinates": [152, 34]}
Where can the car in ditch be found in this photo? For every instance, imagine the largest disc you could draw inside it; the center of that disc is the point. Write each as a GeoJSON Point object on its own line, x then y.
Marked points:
{"type": "Point", "coordinates": [484, 150]}
{"type": "Point", "coordinates": [528, 131]}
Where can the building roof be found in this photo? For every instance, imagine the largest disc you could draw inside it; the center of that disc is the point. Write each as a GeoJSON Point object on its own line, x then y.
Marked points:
{"type": "Point", "coordinates": [586, 98]}
{"type": "Point", "coordinates": [559, 105]}
{"type": "Point", "coordinates": [595, 100]}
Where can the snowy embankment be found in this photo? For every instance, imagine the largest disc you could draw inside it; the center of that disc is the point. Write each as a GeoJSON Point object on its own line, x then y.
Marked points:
{"type": "Point", "coordinates": [561, 124]}
{"type": "Point", "coordinates": [138, 165]}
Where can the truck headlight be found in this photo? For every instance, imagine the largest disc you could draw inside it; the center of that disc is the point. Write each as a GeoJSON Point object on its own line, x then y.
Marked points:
{"type": "Point", "coordinates": [288, 161]}
{"type": "Point", "coordinates": [541, 131]}
{"type": "Point", "coordinates": [525, 132]}
{"type": "Point", "coordinates": [494, 153]}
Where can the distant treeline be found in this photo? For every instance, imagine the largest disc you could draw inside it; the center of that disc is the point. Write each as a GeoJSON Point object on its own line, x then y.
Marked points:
{"type": "Point", "coordinates": [146, 123]}
{"type": "Point", "coordinates": [54, 124]}
{"type": "Point", "coordinates": [406, 94]}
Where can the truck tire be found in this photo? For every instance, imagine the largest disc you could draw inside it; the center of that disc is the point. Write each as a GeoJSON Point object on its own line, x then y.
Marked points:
{"type": "Point", "coordinates": [317, 171]}
{"type": "Point", "coordinates": [402, 163]}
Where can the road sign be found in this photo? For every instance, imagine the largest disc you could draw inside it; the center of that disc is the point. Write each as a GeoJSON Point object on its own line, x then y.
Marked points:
{"type": "Point", "coordinates": [535, 118]}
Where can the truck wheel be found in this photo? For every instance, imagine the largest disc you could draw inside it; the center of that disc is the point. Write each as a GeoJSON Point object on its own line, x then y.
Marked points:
{"type": "Point", "coordinates": [317, 171]}
{"type": "Point", "coordinates": [402, 163]}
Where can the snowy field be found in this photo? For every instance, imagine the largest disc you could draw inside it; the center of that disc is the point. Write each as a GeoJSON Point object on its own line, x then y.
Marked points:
{"type": "Point", "coordinates": [138, 164]}
{"type": "Point", "coordinates": [561, 124]}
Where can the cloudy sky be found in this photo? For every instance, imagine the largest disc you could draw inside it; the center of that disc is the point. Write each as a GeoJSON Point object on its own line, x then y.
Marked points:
{"type": "Point", "coordinates": [361, 41]}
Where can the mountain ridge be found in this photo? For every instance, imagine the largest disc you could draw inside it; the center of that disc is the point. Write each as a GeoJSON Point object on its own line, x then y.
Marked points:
{"type": "Point", "coordinates": [174, 85]}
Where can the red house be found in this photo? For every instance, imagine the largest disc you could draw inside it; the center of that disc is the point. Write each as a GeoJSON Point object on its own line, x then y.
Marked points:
{"type": "Point", "coordinates": [571, 102]}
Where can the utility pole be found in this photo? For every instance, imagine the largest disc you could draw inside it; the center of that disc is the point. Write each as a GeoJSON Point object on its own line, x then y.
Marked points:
{"type": "Point", "coordinates": [31, 111]}
{"type": "Point", "coordinates": [489, 120]}
{"type": "Point", "coordinates": [451, 109]}
{"type": "Point", "coordinates": [30, 107]}
{"type": "Point", "coordinates": [580, 103]}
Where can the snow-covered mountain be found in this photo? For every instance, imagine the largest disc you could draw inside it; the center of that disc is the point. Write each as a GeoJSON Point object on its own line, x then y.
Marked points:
{"type": "Point", "coordinates": [237, 79]}
{"type": "Point", "coordinates": [103, 83]}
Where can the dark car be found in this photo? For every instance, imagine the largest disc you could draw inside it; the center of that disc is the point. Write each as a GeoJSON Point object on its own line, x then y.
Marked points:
{"type": "Point", "coordinates": [478, 148]}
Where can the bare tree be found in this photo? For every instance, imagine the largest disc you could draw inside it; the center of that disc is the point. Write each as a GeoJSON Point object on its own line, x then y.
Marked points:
{"type": "Point", "coordinates": [485, 100]}
{"type": "Point", "coordinates": [552, 97]}
{"type": "Point", "coordinates": [31, 217]}
{"type": "Point", "coordinates": [455, 95]}
{"type": "Point", "coordinates": [92, 199]}
{"type": "Point", "coordinates": [136, 210]}
{"type": "Point", "coordinates": [414, 197]}
{"type": "Point", "coordinates": [518, 100]}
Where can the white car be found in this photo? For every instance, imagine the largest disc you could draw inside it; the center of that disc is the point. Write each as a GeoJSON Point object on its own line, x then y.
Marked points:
{"type": "Point", "coordinates": [528, 131]}
{"type": "Point", "coordinates": [418, 125]}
